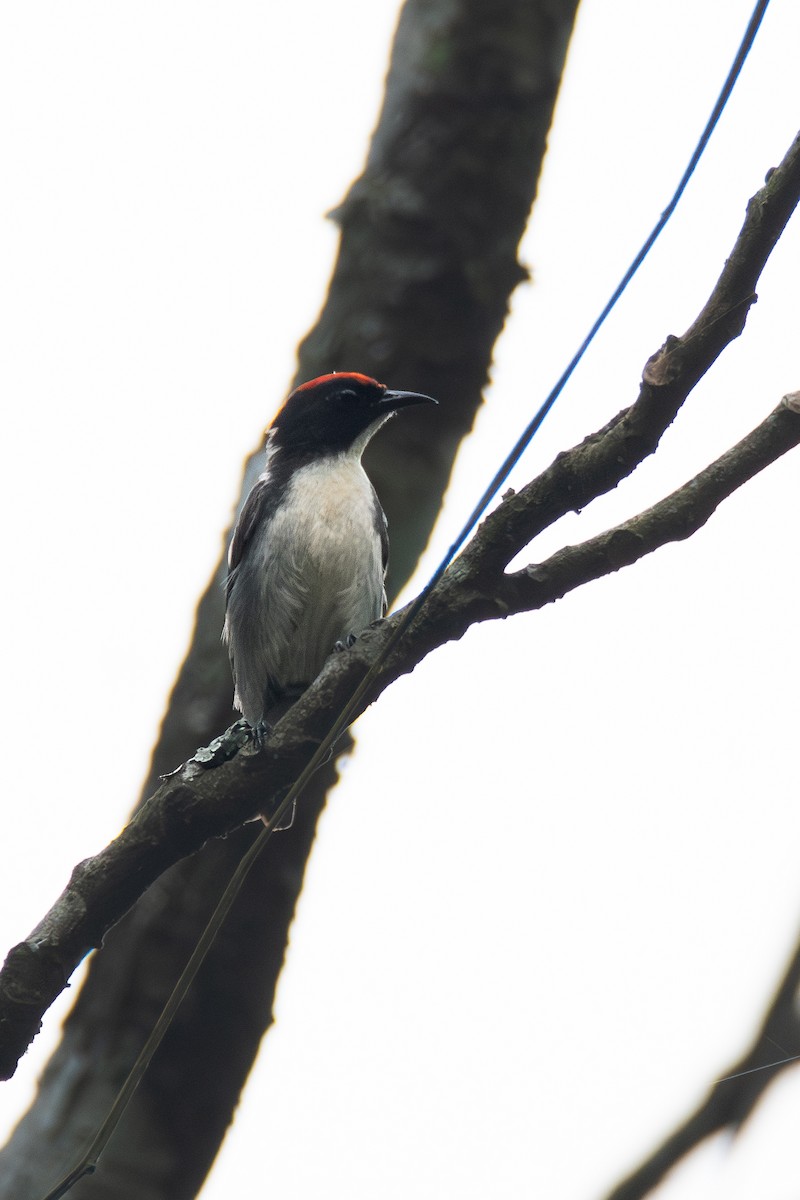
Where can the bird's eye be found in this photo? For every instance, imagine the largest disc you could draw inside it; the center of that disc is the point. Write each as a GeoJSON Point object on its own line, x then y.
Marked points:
{"type": "Point", "coordinates": [347, 395]}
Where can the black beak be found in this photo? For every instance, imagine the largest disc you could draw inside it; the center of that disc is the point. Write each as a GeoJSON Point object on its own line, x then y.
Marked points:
{"type": "Point", "coordinates": [393, 400]}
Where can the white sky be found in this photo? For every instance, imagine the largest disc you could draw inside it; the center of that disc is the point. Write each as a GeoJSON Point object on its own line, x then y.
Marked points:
{"type": "Point", "coordinates": [527, 947]}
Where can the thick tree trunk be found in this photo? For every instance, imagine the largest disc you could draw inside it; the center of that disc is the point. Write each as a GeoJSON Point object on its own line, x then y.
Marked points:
{"type": "Point", "coordinates": [419, 294]}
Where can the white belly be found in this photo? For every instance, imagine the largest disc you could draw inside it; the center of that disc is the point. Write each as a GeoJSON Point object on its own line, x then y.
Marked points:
{"type": "Point", "coordinates": [317, 570]}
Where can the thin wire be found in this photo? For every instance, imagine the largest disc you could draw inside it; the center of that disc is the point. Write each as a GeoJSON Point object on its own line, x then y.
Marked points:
{"type": "Point", "coordinates": [88, 1163]}
{"type": "Point", "coordinates": [780, 1062]}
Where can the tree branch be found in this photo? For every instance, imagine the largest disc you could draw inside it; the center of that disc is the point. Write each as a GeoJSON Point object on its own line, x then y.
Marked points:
{"type": "Point", "coordinates": [213, 793]}
{"type": "Point", "coordinates": [673, 519]}
{"type": "Point", "coordinates": [731, 1100]}
{"type": "Point", "coordinates": [604, 458]}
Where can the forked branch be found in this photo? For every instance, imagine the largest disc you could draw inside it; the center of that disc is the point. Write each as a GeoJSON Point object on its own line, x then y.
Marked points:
{"type": "Point", "coordinates": [223, 785]}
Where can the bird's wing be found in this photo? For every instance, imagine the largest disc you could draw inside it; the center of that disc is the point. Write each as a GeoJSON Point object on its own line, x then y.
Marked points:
{"type": "Point", "coordinates": [383, 533]}
{"type": "Point", "coordinates": [256, 508]}
{"type": "Point", "coordinates": [383, 529]}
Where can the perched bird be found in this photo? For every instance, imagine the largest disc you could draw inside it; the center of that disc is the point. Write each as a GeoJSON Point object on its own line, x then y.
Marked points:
{"type": "Point", "coordinates": [309, 551]}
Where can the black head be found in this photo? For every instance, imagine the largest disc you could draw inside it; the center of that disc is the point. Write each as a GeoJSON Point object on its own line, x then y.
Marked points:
{"type": "Point", "coordinates": [337, 413]}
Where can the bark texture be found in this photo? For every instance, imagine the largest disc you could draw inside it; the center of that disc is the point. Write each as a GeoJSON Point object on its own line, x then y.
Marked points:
{"type": "Point", "coordinates": [420, 291]}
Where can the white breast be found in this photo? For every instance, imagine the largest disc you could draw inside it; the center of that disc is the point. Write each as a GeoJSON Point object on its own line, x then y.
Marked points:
{"type": "Point", "coordinates": [317, 568]}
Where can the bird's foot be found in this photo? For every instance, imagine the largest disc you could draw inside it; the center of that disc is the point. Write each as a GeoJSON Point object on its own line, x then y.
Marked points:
{"type": "Point", "coordinates": [345, 643]}
{"type": "Point", "coordinates": [259, 734]}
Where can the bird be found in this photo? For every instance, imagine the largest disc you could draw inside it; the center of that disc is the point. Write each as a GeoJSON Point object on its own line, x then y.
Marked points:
{"type": "Point", "coordinates": [309, 551]}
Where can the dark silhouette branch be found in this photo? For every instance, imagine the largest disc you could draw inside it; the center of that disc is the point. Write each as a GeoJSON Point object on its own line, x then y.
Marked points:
{"type": "Point", "coordinates": [731, 1100]}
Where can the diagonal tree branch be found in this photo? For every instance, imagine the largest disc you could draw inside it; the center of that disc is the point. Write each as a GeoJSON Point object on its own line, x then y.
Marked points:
{"type": "Point", "coordinates": [731, 1100]}
{"type": "Point", "coordinates": [603, 459]}
{"type": "Point", "coordinates": [197, 803]}
{"type": "Point", "coordinates": [675, 518]}
{"type": "Point", "coordinates": [213, 793]}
